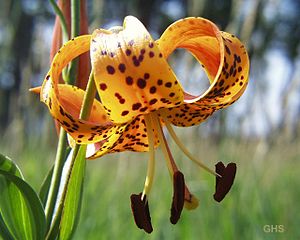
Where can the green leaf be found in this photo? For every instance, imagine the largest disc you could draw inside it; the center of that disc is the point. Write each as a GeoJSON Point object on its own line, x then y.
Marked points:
{"type": "Point", "coordinates": [44, 190]}
{"type": "Point", "coordinates": [7, 165]}
{"type": "Point", "coordinates": [21, 209]}
{"type": "Point", "coordinates": [4, 232]}
{"type": "Point", "coordinates": [73, 198]}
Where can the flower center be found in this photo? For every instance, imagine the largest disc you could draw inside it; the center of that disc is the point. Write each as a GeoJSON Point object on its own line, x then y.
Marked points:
{"type": "Point", "coordinates": [153, 124]}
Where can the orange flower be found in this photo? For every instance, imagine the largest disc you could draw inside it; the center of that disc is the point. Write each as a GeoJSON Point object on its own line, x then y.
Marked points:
{"type": "Point", "coordinates": [140, 93]}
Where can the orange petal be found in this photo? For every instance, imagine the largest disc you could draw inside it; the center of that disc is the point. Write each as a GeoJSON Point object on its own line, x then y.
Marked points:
{"type": "Point", "coordinates": [187, 114]}
{"type": "Point", "coordinates": [132, 137]}
{"type": "Point", "coordinates": [60, 106]}
{"type": "Point", "coordinates": [224, 59]}
{"type": "Point", "coordinates": [131, 74]}
{"type": "Point", "coordinates": [71, 98]}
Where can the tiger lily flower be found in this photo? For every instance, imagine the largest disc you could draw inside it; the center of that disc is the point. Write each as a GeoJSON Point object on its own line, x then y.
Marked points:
{"type": "Point", "coordinates": [140, 93]}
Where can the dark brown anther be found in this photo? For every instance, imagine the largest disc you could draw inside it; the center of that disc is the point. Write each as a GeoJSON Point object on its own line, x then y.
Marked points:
{"type": "Point", "coordinates": [178, 197]}
{"type": "Point", "coordinates": [224, 183]}
{"type": "Point", "coordinates": [141, 214]}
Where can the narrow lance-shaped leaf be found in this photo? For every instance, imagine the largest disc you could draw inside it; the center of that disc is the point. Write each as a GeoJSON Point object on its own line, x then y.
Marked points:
{"type": "Point", "coordinates": [72, 201]}
{"type": "Point", "coordinates": [20, 208]}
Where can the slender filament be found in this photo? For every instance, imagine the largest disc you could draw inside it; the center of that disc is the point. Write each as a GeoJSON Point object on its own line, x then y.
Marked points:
{"type": "Point", "coordinates": [151, 162]}
{"type": "Point", "coordinates": [191, 201]}
{"type": "Point", "coordinates": [184, 149]}
{"type": "Point", "coordinates": [164, 147]}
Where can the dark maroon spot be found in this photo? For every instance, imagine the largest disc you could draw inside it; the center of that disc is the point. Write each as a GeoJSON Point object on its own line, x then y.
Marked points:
{"type": "Point", "coordinates": [135, 61]}
{"type": "Point", "coordinates": [122, 67]}
{"type": "Point", "coordinates": [136, 106]}
{"type": "Point", "coordinates": [227, 49]}
{"type": "Point", "coordinates": [151, 45]}
{"type": "Point", "coordinates": [178, 196]}
{"type": "Point", "coordinates": [151, 54]}
{"type": "Point", "coordinates": [160, 55]}
{"type": "Point", "coordinates": [129, 80]}
{"type": "Point", "coordinates": [141, 58]}
{"type": "Point", "coordinates": [122, 100]}
{"type": "Point", "coordinates": [140, 211]}
{"type": "Point", "coordinates": [141, 83]}
{"type": "Point", "coordinates": [239, 69]}
{"type": "Point", "coordinates": [103, 52]}
{"type": "Point", "coordinates": [171, 94]}
{"type": "Point", "coordinates": [159, 82]}
{"type": "Point", "coordinates": [103, 86]}
{"type": "Point", "coordinates": [118, 95]}
{"type": "Point", "coordinates": [168, 84]}
{"type": "Point", "coordinates": [124, 113]}
{"type": "Point", "coordinates": [224, 183]}
{"type": "Point", "coordinates": [143, 109]}
{"type": "Point", "coordinates": [146, 75]}
{"type": "Point", "coordinates": [62, 112]}
{"type": "Point", "coordinates": [50, 103]}
{"type": "Point", "coordinates": [221, 83]}
{"type": "Point", "coordinates": [112, 54]}
{"type": "Point", "coordinates": [152, 89]}
{"type": "Point", "coordinates": [143, 51]}
{"type": "Point", "coordinates": [47, 77]}
{"type": "Point", "coordinates": [110, 69]}
{"type": "Point", "coordinates": [66, 124]}
{"type": "Point", "coordinates": [128, 52]}
{"type": "Point", "coordinates": [153, 101]}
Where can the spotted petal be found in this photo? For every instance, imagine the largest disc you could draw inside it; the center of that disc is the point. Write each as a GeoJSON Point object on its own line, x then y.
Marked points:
{"type": "Point", "coordinates": [131, 74]}
{"type": "Point", "coordinates": [58, 99]}
{"type": "Point", "coordinates": [132, 137]}
{"type": "Point", "coordinates": [224, 59]}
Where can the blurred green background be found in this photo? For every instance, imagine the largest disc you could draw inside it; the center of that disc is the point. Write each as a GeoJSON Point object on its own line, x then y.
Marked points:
{"type": "Point", "coordinates": [260, 132]}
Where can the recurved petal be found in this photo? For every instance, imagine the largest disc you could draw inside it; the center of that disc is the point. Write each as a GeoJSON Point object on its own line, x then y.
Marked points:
{"type": "Point", "coordinates": [187, 114]}
{"type": "Point", "coordinates": [60, 103]}
{"type": "Point", "coordinates": [199, 36]}
{"type": "Point", "coordinates": [222, 56]}
{"type": "Point", "coordinates": [131, 73]}
{"type": "Point", "coordinates": [232, 78]}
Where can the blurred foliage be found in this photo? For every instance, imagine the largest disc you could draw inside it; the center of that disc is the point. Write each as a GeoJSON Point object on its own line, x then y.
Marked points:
{"type": "Point", "coordinates": [266, 26]}
{"type": "Point", "coordinates": [264, 123]}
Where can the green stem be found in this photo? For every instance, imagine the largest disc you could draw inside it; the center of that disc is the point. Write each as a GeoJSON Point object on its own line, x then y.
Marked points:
{"type": "Point", "coordinates": [88, 98]}
{"type": "Point", "coordinates": [84, 114]}
{"type": "Point", "coordinates": [55, 181]}
{"type": "Point", "coordinates": [62, 19]}
{"type": "Point", "coordinates": [75, 31]}
{"type": "Point", "coordinates": [75, 17]}
{"type": "Point", "coordinates": [69, 78]}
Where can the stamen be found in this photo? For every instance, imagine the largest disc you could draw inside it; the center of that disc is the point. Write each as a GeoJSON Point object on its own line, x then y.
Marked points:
{"type": "Point", "coordinates": [186, 152]}
{"type": "Point", "coordinates": [164, 147]}
{"type": "Point", "coordinates": [190, 201]}
{"type": "Point", "coordinates": [151, 162]}
{"type": "Point", "coordinates": [224, 183]}
{"type": "Point", "coordinates": [141, 214]}
{"type": "Point", "coordinates": [178, 197]}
